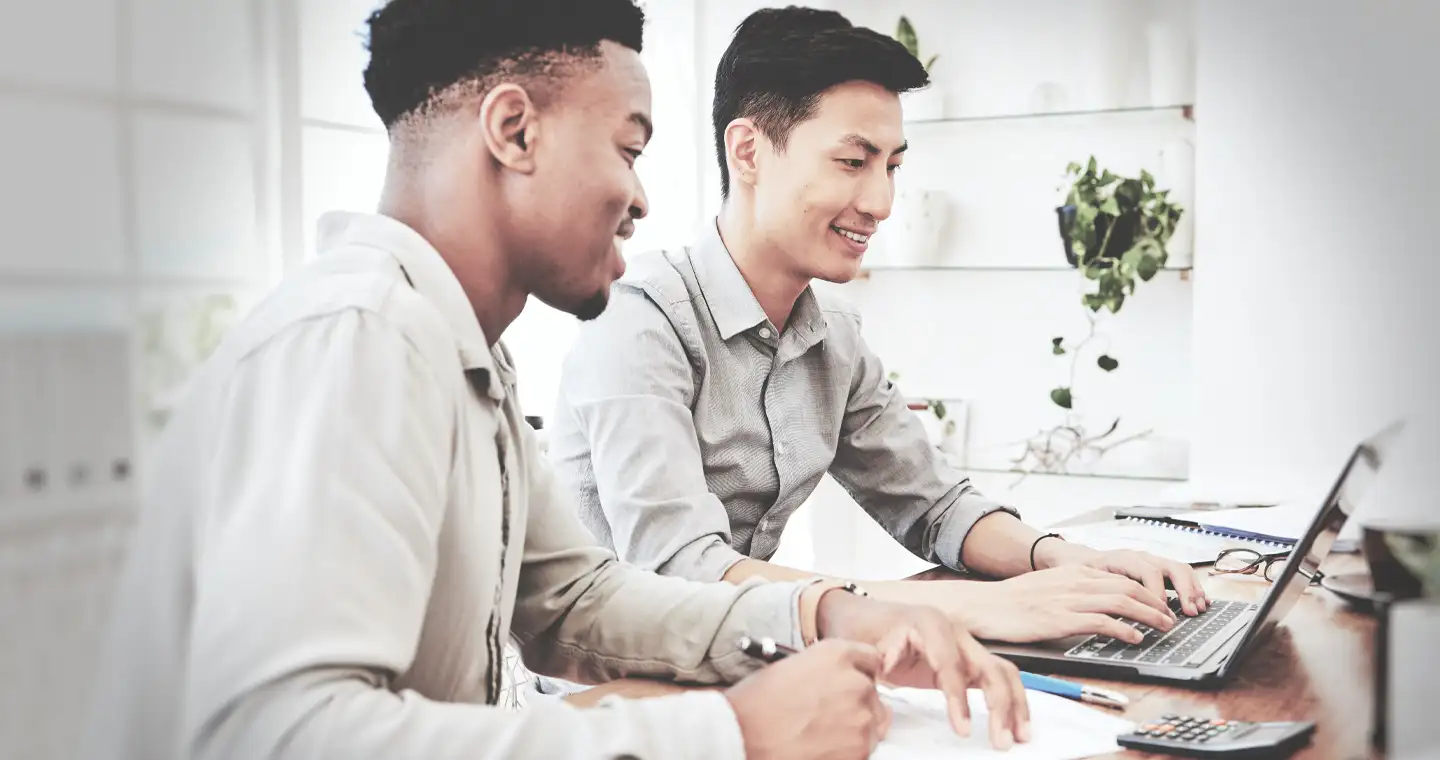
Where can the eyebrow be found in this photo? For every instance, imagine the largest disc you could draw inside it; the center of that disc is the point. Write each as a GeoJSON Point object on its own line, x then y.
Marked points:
{"type": "Point", "coordinates": [859, 141]}
{"type": "Point", "coordinates": [645, 124]}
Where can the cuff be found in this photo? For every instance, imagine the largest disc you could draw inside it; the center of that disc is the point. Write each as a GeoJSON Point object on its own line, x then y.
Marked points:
{"type": "Point", "coordinates": [969, 508]}
{"type": "Point", "coordinates": [705, 559]}
{"type": "Point", "coordinates": [696, 725]}
{"type": "Point", "coordinates": [764, 609]}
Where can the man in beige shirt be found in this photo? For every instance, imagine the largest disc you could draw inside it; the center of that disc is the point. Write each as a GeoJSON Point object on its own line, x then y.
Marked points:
{"type": "Point", "coordinates": [347, 518]}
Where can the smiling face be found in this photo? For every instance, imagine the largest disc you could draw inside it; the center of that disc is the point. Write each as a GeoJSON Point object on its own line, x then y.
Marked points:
{"type": "Point", "coordinates": [584, 197]}
{"type": "Point", "coordinates": [820, 197]}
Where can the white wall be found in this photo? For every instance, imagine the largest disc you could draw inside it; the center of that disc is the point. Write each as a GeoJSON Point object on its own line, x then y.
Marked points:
{"type": "Point", "coordinates": [1315, 308]}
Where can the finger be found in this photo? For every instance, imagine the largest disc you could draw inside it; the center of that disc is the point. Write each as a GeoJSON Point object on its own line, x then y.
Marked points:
{"type": "Point", "coordinates": [1128, 608]}
{"type": "Point", "coordinates": [863, 658]}
{"type": "Point", "coordinates": [879, 718]}
{"type": "Point", "coordinates": [1182, 577]}
{"type": "Point", "coordinates": [1022, 701]}
{"type": "Point", "coordinates": [1129, 587]}
{"type": "Point", "coordinates": [1105, 625]}
{"type": "Point", "coordinates": [1154, 581]}
{"type": "Point", "coordinates": [896, 648]}
{"type": "Point", "coordinates": [999, 700]}
{"type": "Point", "coordinates": [941, 647]}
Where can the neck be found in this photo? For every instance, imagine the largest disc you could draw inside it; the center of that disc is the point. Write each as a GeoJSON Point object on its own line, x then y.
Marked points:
{"type": "Point", "coordinates": [776, 286]}
{"type": "Point", "coordinates": [471, 246]}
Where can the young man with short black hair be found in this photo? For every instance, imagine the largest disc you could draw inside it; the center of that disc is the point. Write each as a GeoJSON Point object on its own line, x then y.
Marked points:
{"type": "Point", "coordinates": [348, 516]}
{"type": "Point", "coordinates": [722, 356]}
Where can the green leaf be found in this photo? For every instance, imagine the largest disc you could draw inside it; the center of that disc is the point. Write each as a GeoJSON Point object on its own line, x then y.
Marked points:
{"type": "Point", "coordinates": [1147, 267]}
{"type": "Point", "coordinates": [931, 63]}
{"type": "Point", "coordinates": [1090, 169]}
{"type": "Point", "coordinates": [893, 376]}
{"type": "Point", "coordinates": [905, 34]}
{"type": "Point", "coordinates": [1107, 363]}
{"type": "Point", "coordinates": [1055, 346]}
{"type": "Point", "coordinates": [1110, 207]}
{"type": "Point", "coordinates": [1116, 301]}
{"type": "Point", "coordinates": [1147, 179]}
{"type": "Point", "coordinates": [938, 407]}
{"type": "Point", "coordinates": [1094, 301]}
{"type": "Point", "coordinates": [1093, 273]}
{"type": "Point", "coordinates": [1061, 397]}
{"type": "Point", "coordinates": [1132, 257]}
{"type": "Point", "coordinates": [1106, 177]}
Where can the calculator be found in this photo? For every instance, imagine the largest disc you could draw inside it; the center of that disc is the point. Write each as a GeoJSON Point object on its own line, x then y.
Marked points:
{"type": "Point", "coordinates": [1214, 737]}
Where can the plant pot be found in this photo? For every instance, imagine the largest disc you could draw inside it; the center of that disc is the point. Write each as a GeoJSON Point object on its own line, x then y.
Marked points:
{"type": "Point", "coordinates": [1126, 229]}
{"type": "Point", "coordinates": [923, 105]}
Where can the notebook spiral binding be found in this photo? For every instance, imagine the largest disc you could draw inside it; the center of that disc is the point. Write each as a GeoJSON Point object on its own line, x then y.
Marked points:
{"type": "Point", "coordinates": [1199, 531]}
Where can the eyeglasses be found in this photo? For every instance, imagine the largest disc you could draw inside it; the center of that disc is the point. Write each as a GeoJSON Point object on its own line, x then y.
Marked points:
{"type": "Point", "coordinates": [1249, 562]}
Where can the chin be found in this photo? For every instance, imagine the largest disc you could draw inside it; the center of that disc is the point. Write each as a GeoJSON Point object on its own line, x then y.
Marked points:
{"type": "Point", "coordinates": [591, 307]}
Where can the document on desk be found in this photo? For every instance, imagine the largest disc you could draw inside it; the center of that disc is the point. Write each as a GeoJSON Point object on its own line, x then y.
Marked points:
{"type": "Point", "coordinates": [1062, 729]}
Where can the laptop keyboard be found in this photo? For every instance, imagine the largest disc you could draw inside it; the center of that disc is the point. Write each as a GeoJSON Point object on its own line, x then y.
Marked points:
{"type": "Point", "coordinates": [1178, 646]}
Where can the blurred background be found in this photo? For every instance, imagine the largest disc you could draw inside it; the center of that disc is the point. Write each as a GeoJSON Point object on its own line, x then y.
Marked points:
{"type": "Point", "coordinates": [164, 163]}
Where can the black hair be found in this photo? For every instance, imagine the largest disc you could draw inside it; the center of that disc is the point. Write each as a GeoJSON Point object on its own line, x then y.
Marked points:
{"type": "Point", "coordinates": [781, 60]}
{"type": "Point", "coordinates": [419, 49]}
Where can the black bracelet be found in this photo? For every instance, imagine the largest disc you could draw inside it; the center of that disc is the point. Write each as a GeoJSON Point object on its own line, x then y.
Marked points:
{"type": "Point", "coordinates": [1037, 543]}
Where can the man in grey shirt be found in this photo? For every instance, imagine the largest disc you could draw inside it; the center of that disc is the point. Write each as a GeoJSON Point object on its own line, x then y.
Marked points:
{"type": "Point", "coordinates": [347, 517]}
{"type": "Point", "coordinates": [703, 408]}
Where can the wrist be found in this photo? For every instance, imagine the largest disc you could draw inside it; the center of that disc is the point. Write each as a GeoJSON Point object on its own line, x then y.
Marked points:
{"type": "Point", "coordinates": [830, 602]}
{"type": "Point", "coordinates": [1053, 552]}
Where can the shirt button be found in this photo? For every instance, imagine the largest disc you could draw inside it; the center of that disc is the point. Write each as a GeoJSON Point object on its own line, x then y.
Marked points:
{"type": "Point", "coordinates": [764, 526]}
{"type": "Point", "coordinates": [765, 333]}
{"type": "Point", "coordinates": [779, 448]}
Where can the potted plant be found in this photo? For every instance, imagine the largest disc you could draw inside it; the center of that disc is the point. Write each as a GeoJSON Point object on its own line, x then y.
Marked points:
{"type": "Point", "coordinates": [927, 103]}
{"type": "Point", "coordinates": [1115, 230]}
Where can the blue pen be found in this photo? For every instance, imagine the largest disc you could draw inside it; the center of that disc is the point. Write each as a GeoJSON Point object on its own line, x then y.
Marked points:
{"type": "Point", "coordinates": [1072, 690]}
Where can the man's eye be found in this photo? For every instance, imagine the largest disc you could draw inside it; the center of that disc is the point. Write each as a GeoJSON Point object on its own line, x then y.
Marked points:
{"type": "Point", "coordinates": [853, 163]}
{"type": "Point", "coordinates": [634, 155]}
{"type": "Point", "coordinates": [893, 168]}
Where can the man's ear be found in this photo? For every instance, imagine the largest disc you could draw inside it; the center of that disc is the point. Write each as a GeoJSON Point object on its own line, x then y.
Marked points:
{"type": "Point", "coordinates": [742, 146]}
{"type": "Point", "coordinates": [509, 125]}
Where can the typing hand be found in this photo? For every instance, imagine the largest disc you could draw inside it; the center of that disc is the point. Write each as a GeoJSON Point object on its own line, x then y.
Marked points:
{"type": "Point", "coordinates": [1048, 604]}
{"type": "Point", "coordinates": [924, 649]}
{"type": "Point", "coordinates": [1145, 568]}
{"type": "Point", "coordinates": [820, 703]}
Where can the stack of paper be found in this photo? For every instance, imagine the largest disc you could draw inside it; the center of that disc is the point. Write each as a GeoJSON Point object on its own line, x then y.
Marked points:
{"type": "Point", "coordinates": [1061, 729]}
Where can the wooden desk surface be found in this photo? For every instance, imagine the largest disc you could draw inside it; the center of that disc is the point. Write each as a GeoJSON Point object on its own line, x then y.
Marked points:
{"type": "Point", "coordinates": [1317, 666]}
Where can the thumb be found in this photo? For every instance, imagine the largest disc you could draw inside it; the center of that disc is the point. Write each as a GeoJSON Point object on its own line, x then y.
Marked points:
{"type": "Point", "coordinates": [896, 648]}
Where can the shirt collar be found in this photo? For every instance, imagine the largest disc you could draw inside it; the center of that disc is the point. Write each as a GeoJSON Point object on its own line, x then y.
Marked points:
{"type": "Point", "coordinates": [732, 303]}
{"type": "Point", "coordinates": [428, 273]}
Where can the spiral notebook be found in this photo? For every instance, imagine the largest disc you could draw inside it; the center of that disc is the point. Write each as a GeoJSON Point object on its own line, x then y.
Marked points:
{"type": "Point", "coordinates": [1167, 537]}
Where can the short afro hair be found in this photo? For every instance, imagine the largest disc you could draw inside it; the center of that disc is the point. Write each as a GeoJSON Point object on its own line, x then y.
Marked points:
{"type": "Point", "coordinates": [781, 60]}
{"type": "Point", "coordinates": [421, 50]}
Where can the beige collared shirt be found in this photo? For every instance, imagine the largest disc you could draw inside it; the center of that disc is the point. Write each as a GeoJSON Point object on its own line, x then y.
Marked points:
{"type": "Point", "coordinates": [347, 518]}
{"type": "Point", "coordinates": [692, 428]}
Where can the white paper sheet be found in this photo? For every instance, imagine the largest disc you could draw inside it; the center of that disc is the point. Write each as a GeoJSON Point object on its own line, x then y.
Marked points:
{"type": "Point", "coordinates": [1062, 729]}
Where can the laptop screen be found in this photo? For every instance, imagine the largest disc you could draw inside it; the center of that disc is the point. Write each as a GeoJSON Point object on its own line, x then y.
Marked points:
{"type": "Point", "coordinates": [1312, 548]}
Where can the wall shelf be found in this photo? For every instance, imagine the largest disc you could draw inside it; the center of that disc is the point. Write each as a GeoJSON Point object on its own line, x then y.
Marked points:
{"type": "Point", "coordinates": [866, 272]}
{"type": "Point", "coordinates": [1184, 111]}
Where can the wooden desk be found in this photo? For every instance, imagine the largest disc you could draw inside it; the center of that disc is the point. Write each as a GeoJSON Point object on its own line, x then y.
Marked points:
{"type": "Point", "coordinates": [1317, 666]}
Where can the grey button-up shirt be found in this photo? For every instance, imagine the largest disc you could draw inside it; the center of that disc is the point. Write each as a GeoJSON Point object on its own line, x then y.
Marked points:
{"type": "Point", "coordinates": [692, 428]}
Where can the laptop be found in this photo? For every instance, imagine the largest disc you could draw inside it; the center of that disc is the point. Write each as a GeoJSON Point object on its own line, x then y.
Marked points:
{"type": "Point", "coordinates": [1205, 650]}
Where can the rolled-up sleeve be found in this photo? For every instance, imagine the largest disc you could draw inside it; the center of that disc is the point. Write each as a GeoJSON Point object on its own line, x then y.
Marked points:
{"type": "Point", "coordinates": [887, 463]}
{"type": "Point", "coordinates": [627, 389]}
